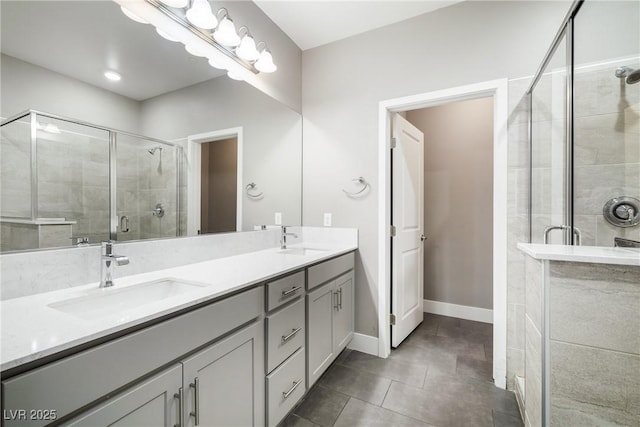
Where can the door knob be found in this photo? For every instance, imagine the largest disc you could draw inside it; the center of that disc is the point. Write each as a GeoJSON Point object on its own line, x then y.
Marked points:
{"type": "Point", "coordinates": [423, 238]}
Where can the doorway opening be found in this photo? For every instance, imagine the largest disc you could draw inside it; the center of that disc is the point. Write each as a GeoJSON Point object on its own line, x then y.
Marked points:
{"type": "Point", "coordinates": [218, 184]}
{"type": "Point", "coordinates": [214, 182]}
{"type": "Point", "coordinates": [490, 308]}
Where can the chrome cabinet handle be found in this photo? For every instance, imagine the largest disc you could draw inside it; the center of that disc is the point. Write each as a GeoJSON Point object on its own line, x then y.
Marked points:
{"type": "Point", "coordinates": [180, 396]}
{"type": "Point", "coordinates": [337, 304]}
{"type": "Point", "coordinates": [286, 394]}
{"type": "Point", "coordinates": [286, 338]}
{"type": "Point", "coordinates": [291, 291]}
{"type": "Point", "coordinates": [340, 298]}
{"type": "Point", "coordinates": [195, 385]}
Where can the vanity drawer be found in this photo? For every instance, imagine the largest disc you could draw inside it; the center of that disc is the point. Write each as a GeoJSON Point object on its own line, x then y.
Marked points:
{"type": "Point", "coordinates": [284, 290]}
{"type": "Point", "coordinates": [285, 386]}
{"type": "Point", "coordinates": [321, 273]}
{"type": "Point", "coordinates": [285, 334]}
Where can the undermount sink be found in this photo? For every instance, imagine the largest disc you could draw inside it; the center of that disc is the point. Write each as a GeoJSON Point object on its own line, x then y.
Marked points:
{"type": "Point", "coordinates": [301, 251]}
{"type": "Point", "coordinates": [109, 301]}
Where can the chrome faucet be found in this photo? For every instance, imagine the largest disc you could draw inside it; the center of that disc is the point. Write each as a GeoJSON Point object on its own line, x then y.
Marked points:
{"type": "Point", "coordinates": [106, 259]}
{"type": "Point", "coordinates": [283, 237]}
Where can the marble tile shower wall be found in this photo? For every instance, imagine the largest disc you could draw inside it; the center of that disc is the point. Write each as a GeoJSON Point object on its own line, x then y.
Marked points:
{"type": "Point", "coordinates": [607, 149]}
{"type": "Point", "coordinates": [144, 180]}
{"type": "Point", "coordinates": [73, 181]}
{"type": "Point", "coordinates": [15, 167]}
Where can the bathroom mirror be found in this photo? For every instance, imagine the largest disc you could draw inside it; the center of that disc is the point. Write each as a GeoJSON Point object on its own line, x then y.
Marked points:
{"type": "Point", "coordinates": [239, 162]}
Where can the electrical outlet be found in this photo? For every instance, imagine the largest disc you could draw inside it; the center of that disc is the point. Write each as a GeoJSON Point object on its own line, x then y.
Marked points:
{"type": "Point", "coordinates": [278, 218]}
{"type": "Point", "coordinates": [327, 220]}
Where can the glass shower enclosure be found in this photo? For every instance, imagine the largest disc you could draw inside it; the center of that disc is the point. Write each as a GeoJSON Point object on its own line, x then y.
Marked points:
{"type": "Point", "coordinates": [584, 175]}
{"type": "Point", "coordinates": [66, 182]}
{"type": "Point", "coordinates": [584, 130]}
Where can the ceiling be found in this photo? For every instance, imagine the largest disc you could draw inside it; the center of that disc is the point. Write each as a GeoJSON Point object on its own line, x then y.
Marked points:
{"type": "Point", "coordinates": [312, 23]}
{"type": "Point", "coordinates": [82, 39]}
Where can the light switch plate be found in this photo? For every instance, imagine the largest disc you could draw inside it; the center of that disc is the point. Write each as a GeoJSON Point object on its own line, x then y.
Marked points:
{"type": "Point", "coordinates": [278, 218]}
{"type": "Point", "coordinates": [327, 220]}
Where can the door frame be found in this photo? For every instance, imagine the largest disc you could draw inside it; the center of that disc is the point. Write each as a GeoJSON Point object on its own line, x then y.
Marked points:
{"type": "Point", "coordinates": [195, 170]}
{"type": "Point", "coordinates": [498, 90]}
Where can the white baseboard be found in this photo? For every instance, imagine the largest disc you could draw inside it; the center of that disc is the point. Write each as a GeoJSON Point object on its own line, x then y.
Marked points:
{"type": "Point", "coordinates": [364, 343]}
{"type": "Point", "coordinates": [459, 311]}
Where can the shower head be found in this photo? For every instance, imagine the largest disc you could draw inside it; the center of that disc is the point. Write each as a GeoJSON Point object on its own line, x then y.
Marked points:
{"type": "Point", "coordinates": [630, 75]}
{"type": "Point", "coordinates": [153, 150]}
{"type": "Point", "coordinates": [633, 77]}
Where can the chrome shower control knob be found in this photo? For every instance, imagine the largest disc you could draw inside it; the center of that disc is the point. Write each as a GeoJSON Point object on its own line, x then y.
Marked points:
{"type": "Point", "coordinates": [622, 211]}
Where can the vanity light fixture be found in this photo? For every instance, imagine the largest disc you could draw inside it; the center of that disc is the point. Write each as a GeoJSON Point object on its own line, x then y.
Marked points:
{"type": "Point", "coordinates": [112, 75]}
{"type": "Point", "coordinates": [178, 4]}
{"type": "Point", "coordinates": [200, 15]}
{"type": "Point", "coordinates": [191, 22]}
{"type": "Point", "coordinates": [226, 33]}
{"type": "Point", "coordinates": [247, 49]}
{"type": "Point", "coordinates": [265, 62]}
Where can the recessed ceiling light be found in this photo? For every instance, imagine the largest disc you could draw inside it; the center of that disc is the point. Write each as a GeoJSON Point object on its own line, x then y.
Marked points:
{"type": "Point", "coordinates": [112, 75]}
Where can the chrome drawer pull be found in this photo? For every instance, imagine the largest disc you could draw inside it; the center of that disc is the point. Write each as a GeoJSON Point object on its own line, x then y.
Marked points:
{"type": "Point", "coordinates": [195, 385]}
{"type": "Point", "coordinates": [340, 298]}
{"type": "Point", "coordinates": [291, 291]}
{"type": "Point", "coordinates": [180, 396]}
{"type": "Point", "coordinates": [286, 338]}
{"type": "Point", "coordinates": [286, 394]}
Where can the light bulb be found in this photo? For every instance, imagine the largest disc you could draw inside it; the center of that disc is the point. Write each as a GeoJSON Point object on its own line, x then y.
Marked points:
{"type": "Point", "coordinates": [113, 76]}
{"type": "Point", "coordinates": [247, 49]}
{"type": "Point", "coordinates": [265, 62]}
{"type": "Point", "coordinates": [132, 15]}
{"type": "Point", "coordinates": [166, 35]}
{"type": "Point", "coordinates": [200, 15]}
{"type": "Point", "coordinates": [226, 34]}
{"type": "Point", "coordinates": [176, 3]}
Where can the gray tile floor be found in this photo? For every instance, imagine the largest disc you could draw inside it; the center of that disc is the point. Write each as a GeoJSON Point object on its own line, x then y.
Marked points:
{"type": "Point", "coordinates": [440, 376]}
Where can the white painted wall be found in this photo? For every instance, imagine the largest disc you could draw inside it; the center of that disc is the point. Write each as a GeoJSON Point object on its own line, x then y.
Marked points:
{"type": "Point", "coordinates": [343, 83]}
{"type": "Point", "coordinates": [26, 86]}
{"type": "Point", "coordinates": [458, 201]}
{"type": "Point", "coordinates": [272, 135]}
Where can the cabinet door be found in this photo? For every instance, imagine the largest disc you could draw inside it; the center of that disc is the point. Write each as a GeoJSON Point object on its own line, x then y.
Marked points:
{"type": "Point", "coordinates": [224, 383]}
{"type": "Point", "coordinates": [343, 316]}
{"type": "Point", "coordinates": [321, 304]}
{"type": "Point", "coordinates": [151, 403]}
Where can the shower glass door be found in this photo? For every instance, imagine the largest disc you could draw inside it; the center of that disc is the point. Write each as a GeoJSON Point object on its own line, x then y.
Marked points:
{"type": "Point", "coordinates": [606, 118]}
{"type": "Point", "coordinates": [549, 148]}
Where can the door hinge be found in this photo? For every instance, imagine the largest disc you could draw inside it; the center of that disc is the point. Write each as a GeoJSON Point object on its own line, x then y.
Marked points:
{"type": "Point", "coordinates": [392, 230]}
{"type": "Point", "coordinates": [393, 143]}
{"type": "Point", "coordinates": [392, 319]}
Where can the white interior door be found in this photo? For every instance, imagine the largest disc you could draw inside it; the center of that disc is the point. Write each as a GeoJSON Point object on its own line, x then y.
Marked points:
{"type": "Point", "coordinates": [407, 213]}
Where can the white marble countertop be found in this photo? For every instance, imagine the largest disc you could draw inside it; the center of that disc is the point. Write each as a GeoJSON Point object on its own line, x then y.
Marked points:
{"type": "Point", "coordinates": [32, 329]}
{"type": "Point", "coordinates": [590, 254]}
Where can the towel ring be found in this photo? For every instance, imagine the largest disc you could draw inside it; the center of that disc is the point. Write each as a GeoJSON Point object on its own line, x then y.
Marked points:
{"type": "Point", "coordinates": [361, 181]}
{"type": "Point", "coordinates": [250, 187]}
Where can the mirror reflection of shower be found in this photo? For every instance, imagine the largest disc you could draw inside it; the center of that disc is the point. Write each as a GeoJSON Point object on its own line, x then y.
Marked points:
{"type": "Point", "coordinates": [152, 151]}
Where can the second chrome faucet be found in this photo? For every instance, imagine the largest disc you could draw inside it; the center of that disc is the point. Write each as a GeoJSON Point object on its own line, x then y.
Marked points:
{"type": "Point", "coordinates": [283, 237]}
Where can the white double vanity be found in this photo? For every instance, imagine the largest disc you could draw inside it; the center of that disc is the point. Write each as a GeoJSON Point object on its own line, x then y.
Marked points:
{"type": "Point", "coordinates": [234, 340]}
